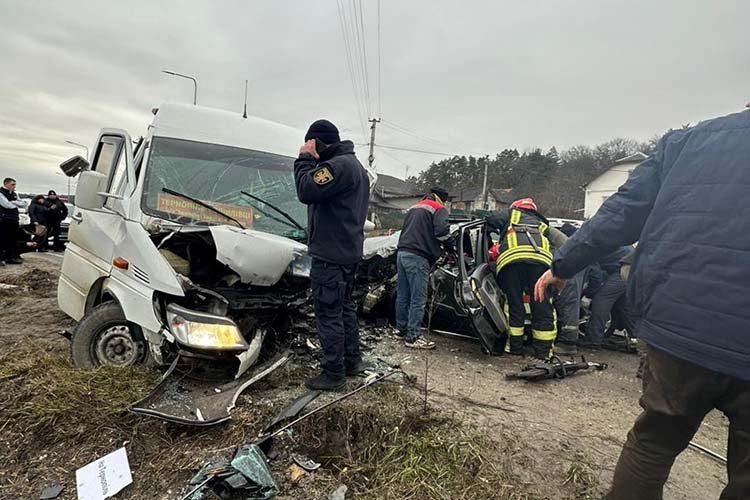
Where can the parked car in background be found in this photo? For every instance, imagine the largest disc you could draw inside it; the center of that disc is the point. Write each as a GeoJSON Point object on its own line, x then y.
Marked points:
{"type": "Point", "coordinates": [65, 224]}
{"type": "Point", "coordinates": [558, 223]}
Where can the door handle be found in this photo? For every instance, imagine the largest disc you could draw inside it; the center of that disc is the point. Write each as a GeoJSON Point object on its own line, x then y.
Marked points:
{"type": "Point", "coordinates": [78, 218]}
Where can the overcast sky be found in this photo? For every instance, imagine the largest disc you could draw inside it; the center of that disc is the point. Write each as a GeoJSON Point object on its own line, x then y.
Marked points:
{"type": "Point", "coordinates": [472, 77]}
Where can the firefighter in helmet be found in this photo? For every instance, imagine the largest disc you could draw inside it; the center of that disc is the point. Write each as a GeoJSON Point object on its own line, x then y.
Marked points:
{"type": "Point", "coordinates": [524, 254]}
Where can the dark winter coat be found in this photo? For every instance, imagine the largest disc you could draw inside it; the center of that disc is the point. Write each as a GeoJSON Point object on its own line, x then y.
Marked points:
{"type": "Point", "coordinates": [336, 190]}
{"type": "Point", "coordinates": [57, 210]}
{"type": "Point", "coordinates": [426, 230]}
{"type": "Point", "coordinates": [38, 212]}
{"type": "Point", "coordinates": [9, 214]}
{"type": "Point", "coordinates": [687, 205]}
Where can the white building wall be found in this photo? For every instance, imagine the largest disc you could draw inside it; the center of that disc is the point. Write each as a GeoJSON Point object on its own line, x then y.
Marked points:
{"type": "Point", "coordinates": [605, 186]}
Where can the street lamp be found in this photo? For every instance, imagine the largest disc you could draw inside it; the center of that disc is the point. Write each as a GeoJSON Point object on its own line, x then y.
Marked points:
{"type": "Point", "coordinates": [81, 145]}
{"type": "Point", "coordinates": [195, 83]}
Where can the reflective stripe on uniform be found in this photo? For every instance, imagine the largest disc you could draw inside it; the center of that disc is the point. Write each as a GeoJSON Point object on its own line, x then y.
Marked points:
{"type": "Point", "coordinates": [523, 254]}
{"type": "Point", "coordinates": [513, 251]}
{"type": "Point", "coordinates": [515, 331]}
{"type": "Point", "coordinates": [545, 241]}
{"type": "Point", "coordinates": [525, 248]}
{"type": "Point", "coordinates": [544, 334]}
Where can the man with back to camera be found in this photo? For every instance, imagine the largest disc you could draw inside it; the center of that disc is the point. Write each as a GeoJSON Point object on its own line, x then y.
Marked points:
{"type": "Point", "coordinates": [9, 219]}
{"type": "Point", "coordinates": [336, 189]}
{"type": "Point", "coordinates": [425, 233]}
{"type": "Point", "coordinates": [686, 205]}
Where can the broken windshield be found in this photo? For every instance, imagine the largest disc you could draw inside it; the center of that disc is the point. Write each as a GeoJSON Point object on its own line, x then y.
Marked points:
{"type": "Point", "coordinates": [217, 175]}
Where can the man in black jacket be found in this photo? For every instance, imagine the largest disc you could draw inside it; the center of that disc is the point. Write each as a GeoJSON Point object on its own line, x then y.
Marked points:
{"type": "Point", "coordinates": [57, 213]}
{"type": "Point", "coordinates": [336, 188]}
{"type": "Point", "coordinates": [686, 206]}
{"type": "Point", "coordinates": [9, 217]}
{"type": "Point", "coordinates": [426, 231]}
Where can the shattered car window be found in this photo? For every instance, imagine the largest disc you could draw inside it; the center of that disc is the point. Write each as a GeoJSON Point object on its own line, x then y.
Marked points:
{"type": "Point", "coordinates": [216, 175]}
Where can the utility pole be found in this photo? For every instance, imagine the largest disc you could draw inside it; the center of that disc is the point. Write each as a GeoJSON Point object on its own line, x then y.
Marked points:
{"type": "Point", "coordinates": [371, 158]}
{"type": "Point", "coordinates": [484, 187]}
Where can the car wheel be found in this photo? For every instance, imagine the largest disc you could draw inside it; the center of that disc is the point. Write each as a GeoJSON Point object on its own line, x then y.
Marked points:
{"type": "Point", "coordinates": [104, 337]}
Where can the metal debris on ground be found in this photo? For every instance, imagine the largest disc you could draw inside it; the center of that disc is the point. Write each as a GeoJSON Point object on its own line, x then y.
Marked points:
{"type": "Point", "coordinates": [339, 494]}
{"type": "Point", "coordinates": [266, 440]}
{"type": "Point", "coordinates": [306, 463]}
{"type": "Point", "coordinates": [293, 409]}
{"type": "Point", "coordinates": [554, 368]}
{"type": "Point", "coordinates": [247, 474]}
{"type": "Point", "coordinates": [189, 396]}
{"type": "Point", "coordinates": [708, 452]}
{"type": "Point", "coordinates": [51, 492]}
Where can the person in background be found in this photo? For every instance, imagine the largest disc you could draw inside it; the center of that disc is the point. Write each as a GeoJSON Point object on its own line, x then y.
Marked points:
{"type": "Point", "coordinates": [524, 254]}
{"type": "Point", "coordinates": [57, 213]}
{"type": "Point", "coordinates": [568, 305]}
{"type": "Point", "coordinates": [425, 234]}
{"type": "Point", "coordinates": [609, 300]}
{"type": "Point", "coordinates": [689, 283]}
{"type": "Point", "coordinates": [39, 215]}
{"type": "Point", "coordinates": [335, 186]}
{"type": "Point", "coordinates": [9, 218]}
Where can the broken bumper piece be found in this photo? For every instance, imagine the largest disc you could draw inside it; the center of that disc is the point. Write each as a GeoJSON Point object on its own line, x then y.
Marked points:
{"type": "Point", "coordinates": [191, 396]}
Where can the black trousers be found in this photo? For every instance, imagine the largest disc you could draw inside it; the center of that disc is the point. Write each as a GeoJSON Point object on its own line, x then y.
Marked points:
{"type": "Point", "coordinates": [568, 306]}
{"type": "Point", "coordinates": [677, 395]}
{"type": "Point", "coordinates": [336, 315]}
{"type": "Point", "coordinates": [514, 280]}
{"type": "Point", "coordinates": [8, 237]}
{"type": "Point", "coordinates": [53, 229]}
{"type": "Point", "coordinates": [609, 299]}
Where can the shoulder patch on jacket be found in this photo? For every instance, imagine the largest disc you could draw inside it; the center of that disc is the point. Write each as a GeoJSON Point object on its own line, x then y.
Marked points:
{"type": "Point", "coordinates": [322, 176]}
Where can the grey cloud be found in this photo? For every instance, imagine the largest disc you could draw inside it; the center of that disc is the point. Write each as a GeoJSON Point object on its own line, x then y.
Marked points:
{"type": "Point", "coordinates": [475, 76]}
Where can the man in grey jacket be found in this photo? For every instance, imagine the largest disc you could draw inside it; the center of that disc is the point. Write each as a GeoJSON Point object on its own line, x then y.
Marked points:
{"type": "Point", "coordinates": [687, 206]}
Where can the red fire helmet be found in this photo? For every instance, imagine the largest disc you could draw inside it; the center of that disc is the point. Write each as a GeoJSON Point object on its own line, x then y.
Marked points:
{"type": "Point", "coordinates": [526, 203]}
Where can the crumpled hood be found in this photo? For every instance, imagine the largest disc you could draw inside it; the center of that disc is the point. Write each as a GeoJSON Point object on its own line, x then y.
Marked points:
{"type": "Point", "coordinates": [383, 246]}
{"type": "Point", "coordinates": [259, 258]}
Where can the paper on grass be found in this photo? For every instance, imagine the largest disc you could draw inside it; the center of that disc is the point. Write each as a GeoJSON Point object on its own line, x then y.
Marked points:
{"type": "Point", "coordinates": [104, 477]}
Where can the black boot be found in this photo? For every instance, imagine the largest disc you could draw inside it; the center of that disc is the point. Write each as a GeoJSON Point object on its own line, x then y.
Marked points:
{"type": "Point", "coordinates": [542, 348]}
{"type": "Point", "coordinates": [565, 349]}
{"type": "Point", "coordinates": [325, 382]}
{"type": "Point", "coordinates": [516, 345]}
{"type": "Point", "coordinates": [356, 368]}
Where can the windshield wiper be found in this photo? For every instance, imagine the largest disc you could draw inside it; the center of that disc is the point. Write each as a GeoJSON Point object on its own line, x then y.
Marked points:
{"type": "Point", "coordinates": [280, 221]}
{"type": "Point", "coordinates": [286, 215]}
{"type": "Point", "coordinates": [206, 205]}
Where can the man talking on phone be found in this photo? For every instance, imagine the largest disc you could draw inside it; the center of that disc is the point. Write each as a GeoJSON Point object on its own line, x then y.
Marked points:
{"type": "Point", "coordinates": [336, 189]}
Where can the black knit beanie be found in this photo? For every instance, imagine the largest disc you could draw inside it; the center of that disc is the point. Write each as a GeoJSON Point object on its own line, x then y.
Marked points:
{"type": "Point", "coordinates": [324, 131]}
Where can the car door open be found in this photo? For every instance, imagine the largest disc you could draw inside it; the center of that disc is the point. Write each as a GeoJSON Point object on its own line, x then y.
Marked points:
{"type": "Point", "coordinates": [480, 293]}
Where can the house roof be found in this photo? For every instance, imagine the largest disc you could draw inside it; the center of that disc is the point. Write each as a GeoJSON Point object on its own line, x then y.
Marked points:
{"type": "Point", "coordinates": [472, 193]}
{"type": "Point", "coordinates": [636, 157]}
{"type": "Point", "coordinates": [390, 186]}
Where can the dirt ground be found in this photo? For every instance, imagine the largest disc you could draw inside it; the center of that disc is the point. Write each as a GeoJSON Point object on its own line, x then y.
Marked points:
{"type": "Point", "coordinates": [565, 430]}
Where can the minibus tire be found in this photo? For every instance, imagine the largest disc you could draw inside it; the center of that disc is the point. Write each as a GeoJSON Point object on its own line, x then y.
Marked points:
{"type": "Point", "coordinates": [106, 319]}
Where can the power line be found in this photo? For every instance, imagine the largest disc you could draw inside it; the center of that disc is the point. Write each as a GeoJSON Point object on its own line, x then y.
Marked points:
{"type": "Point", "coordinates": [352, 25]}
{"type": "Point", "coordinates": [364, 54]}
{"type": "Point", "coordinates": [405, 131]}
{"type": "Point", "coordinates": [349, 62]}
{"type": "Point", "coordinates": [380, 93]}
{"type": "Point", "coordinates": [399, 148]}
{"type": "Point", "coordinates": [359, 29]}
